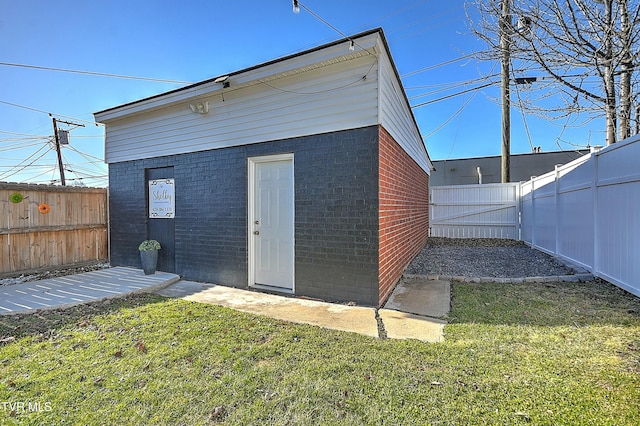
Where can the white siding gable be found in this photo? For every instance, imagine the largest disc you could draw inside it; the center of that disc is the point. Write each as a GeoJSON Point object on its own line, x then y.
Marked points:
{"type": "Point", "coordinates": [396, 115]}
{"type": "Point", "coordinates": [323, 90]}
{"type": "Point", "coordinates": [319, 101]}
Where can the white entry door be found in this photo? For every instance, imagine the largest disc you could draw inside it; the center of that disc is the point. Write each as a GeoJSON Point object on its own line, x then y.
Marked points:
{"type": "Point", "coordinates": [271, 226]}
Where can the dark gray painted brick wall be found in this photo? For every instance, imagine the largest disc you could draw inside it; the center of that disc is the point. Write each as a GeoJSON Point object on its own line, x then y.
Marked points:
{"type": "Point", "coordinates": [127, 213]}
{"type": "Point", "coordinates": [336, 213]}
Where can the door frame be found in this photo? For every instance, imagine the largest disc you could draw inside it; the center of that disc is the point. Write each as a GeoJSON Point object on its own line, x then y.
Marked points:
{"type": "Point", "coordinates": [251, 239]}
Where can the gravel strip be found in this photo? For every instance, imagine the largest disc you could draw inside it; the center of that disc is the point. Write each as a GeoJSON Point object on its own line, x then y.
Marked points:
{"type": "Point", "coordinates": [494, 258]}
{"type": "Point", "coordinates": [54, 273]}
{"type": "Point", "coordinates": [452, 257]}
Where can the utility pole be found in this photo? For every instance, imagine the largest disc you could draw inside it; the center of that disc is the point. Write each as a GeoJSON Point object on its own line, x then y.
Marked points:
{"type": "Point", "coordinates": [57, 139]}
{"type": "Point", "coordinates": [58, 150]}
{"type": "Point", "coordinates": [505, 47]}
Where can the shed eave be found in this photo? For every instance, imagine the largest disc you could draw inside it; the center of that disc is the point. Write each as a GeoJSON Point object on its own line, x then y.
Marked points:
{"type": "Point", "coordinates": [367, 43]}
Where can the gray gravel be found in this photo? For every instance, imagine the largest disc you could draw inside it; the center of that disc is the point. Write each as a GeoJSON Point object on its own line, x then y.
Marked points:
{"type": "Point", "coordinates": [477, 258]}
{"type": "Point", "coordinates": [460, 257]}
{"type": "Point", "coordinates": [54, 273]}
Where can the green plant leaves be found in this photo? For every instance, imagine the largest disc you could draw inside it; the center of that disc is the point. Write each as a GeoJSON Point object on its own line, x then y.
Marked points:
{"type": "Point", "coordinates": [16, 197]}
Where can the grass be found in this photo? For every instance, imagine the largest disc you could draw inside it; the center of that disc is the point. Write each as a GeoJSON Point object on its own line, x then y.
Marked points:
{"type": "Point", "coordinates": [552, 354]}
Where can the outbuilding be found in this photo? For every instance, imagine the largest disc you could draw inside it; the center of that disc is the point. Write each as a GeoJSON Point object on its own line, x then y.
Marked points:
{"type": "Point", "coordinates": [306, 175]}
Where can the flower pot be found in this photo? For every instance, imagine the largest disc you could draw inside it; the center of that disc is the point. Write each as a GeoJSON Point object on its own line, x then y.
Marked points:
{"type": "Point", "coordinates": [149, 260]}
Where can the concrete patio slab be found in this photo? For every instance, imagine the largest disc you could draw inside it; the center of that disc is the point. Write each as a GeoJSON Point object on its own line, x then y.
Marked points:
{"type": "Point", "coordinates": [421, 296]}
{"type": "Point", "coordinates": [79, 288]}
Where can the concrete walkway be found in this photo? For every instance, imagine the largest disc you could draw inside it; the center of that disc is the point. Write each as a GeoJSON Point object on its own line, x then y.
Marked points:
{"type": "Point", "coordinates": [405, 316]}
{"type": "Point", "coordinates": [416, 308]}
{"type": "Point", "coordinates": [412, 312]}
{"type": "Point", "coordinates": [79, 288]}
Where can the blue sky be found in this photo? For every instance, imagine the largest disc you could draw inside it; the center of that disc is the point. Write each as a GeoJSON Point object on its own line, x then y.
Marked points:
{"type": "Point", "coordinates": [199, 39]}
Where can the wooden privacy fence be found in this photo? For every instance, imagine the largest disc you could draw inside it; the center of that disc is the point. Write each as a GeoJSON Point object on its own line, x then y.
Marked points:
{"type": "Point", "coordinates": [51, 226]}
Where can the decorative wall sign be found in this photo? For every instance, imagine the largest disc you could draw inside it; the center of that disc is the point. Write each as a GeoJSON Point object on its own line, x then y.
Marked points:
{"type": "Point", "coordinates": [162, 200]}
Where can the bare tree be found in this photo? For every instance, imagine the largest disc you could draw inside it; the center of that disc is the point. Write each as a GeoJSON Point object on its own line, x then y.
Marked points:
{"type": "Point", "coordinates": [582, 52]}
{"type": "Point", "coordinates": [626, 67]}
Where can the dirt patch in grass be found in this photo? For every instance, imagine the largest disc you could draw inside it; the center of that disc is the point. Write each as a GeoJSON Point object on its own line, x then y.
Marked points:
{"type": "Point", "coordinates": [18, 325]}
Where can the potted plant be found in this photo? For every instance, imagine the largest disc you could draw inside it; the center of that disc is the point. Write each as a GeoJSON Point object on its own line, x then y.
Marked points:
{"type": "Point", "coordinates": [149, 256]}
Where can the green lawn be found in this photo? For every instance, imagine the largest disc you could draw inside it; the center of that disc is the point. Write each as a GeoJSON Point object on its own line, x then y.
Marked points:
{"type": "Point", "coordinates": [558, 353]}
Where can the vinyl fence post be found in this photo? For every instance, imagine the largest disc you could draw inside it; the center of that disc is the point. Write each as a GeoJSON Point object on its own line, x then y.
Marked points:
{"type": "Point", "coordinates": [596, 215]}
{"type": "Point", "coordinates": [533, 211]}
{"type": "Point", "coordinates": [518, 200]}
{"type": "Point", "coordinates": [556, 203]}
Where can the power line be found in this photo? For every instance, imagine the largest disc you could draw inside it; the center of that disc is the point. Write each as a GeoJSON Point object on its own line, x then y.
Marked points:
{"type": "Point", "coordinates": [81, 173]}
{"type": "Point", "coordinates": [10, 172]}
{"type": "Point", "coordinates": [365, 26]}
{"type": "Point", "coordinates": [20, 146]}
{"type": "Point", "coordinates": [23, 138]}
{"type": "Point", "coordinates": [48, 113]}
{"type": "Point", "coordinates": [454, 94]}
{"type": "Point", "coordinates": [455, 114]}
{"type": "Point", "coordinates": [430, 67]}
{"type": "Point", "coordinates": [85, 155]}
{"type": "Point", "coordinates": [18, 134]}
{"type": "Point", "coordinates": [524, 117]}
{"type": "Point", "coordinates": [32, 166]}
{"type": "Point", "coordinates": [48, 170]}
{"type": "Point", "coordinates": [297, 4]}
{"type": "Point", "coordinates": [389, 15]}
{"type": "Point", "coordinates": [91, 170]}
{"type": "Point", "coordinates": [446, 88]}
{"type": "Point", "coordinates": [324, 90]}
{"type": "Point", "coordinates": [453, 84]}
{"type": "Point", "coordinates": [417, 23]}
{"type": "Point", "coordinates": [424, 29]}
{"type": "Point", "coordinates": [296, 8]}
{"type": "Point", "coordinates": [100, 74]}
{"type": "Point", "coordinates": [23, 107]}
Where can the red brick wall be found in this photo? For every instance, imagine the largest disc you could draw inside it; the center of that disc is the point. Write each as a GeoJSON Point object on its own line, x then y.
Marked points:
{"type": "Point", "coordinates": [404, 212]}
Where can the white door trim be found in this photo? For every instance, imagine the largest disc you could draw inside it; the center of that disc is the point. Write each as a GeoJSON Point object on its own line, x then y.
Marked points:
{"type": "Point", "coordinates": [251, 198]}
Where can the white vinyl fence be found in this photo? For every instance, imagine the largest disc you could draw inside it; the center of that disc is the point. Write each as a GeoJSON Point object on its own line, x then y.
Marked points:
{"type": "Point", "coordinates": [588, 212]}
{"type": "Point", "coordinates": [475, 211]}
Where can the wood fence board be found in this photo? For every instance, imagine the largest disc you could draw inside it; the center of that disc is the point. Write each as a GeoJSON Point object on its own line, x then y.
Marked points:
{"type": "Point", "coordinates": [73, 232]}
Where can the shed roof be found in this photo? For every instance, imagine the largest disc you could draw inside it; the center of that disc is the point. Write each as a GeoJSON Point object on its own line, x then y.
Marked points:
{"type": "Point", "coordinates": [252, 68]}
{"type": "Point", "coordinates": [369, 42]}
